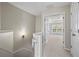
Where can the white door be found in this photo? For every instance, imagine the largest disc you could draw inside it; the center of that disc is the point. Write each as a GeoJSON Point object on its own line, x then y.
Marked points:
{"type": "Point", "coordinates": [74, 29]}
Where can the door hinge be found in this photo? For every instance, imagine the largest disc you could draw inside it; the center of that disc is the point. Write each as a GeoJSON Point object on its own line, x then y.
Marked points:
{"type": "Point", "coordinates": [70, 13]}
{"type": "Point", "coordinates": [71, 46]}
{"type": "Point", "coordinates": [78, 30]}
{"type": "Point", "coordinates": [63, 42]}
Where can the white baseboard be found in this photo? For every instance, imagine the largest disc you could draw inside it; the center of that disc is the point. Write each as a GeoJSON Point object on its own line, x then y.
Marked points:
{"type": "Point", "coordinates": [67, 49]}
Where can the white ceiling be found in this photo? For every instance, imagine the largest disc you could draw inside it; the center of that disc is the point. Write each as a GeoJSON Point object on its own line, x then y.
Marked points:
{"type": "Point", "coordinates": [36, 8]}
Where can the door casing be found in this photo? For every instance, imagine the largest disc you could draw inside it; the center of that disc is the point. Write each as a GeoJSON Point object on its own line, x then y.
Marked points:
{"type": "Point", "coordinates": [43, 29]}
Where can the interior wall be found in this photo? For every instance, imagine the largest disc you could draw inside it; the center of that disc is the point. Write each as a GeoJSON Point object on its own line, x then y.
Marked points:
{"type": "Point", "coordinates": [20, 22]}
{"type": "Point", "coordinates": [55, 10]}
{"type": "Point", "coordinates": [0, 15]}
{"type": "Point", "coordinates": [38, 24]}
{"type": "Point", "coordinates": [6, 41]}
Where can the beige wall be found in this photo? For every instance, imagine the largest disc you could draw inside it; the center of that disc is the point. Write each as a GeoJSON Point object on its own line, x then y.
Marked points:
{"type": "Point", "coordinates": [18, 21]}
{"type": "Point", "coordinates": [38, 23]}
{"type": "Point", "coordinates": [53, 10]}
{"type": "Point", "coordinates": [0, 15]}
{"type": "Point", "coordinates": [6, 41]}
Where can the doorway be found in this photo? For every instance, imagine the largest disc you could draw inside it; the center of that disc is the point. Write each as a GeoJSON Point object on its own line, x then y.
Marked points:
{"type": "Point", "coordinates": [54, 36]}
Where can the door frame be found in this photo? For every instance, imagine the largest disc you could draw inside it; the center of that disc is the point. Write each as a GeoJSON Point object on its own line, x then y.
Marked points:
{"type": "Point", "coordinates": [43, 28]}
{"type": "Point", "coordinates": [73, 32]}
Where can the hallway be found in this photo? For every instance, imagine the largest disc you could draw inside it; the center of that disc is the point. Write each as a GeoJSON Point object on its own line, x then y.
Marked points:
{"type": "Point", "coordinates": [54, 47]}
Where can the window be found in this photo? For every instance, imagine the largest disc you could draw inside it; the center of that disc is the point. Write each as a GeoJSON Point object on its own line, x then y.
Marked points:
{"type": "Point", "coordinates": [55, 25]}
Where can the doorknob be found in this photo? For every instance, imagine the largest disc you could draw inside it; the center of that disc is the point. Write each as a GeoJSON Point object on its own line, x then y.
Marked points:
{"type": "Point", "coordinates": [73, 34]}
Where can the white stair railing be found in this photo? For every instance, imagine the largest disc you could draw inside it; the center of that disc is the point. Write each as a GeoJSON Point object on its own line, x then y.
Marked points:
{"type": "Point", "coordinates": [37, 44]}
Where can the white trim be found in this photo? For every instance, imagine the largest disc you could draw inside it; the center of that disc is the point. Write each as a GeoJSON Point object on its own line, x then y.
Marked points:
{"type": "Point", "coordinates": [64, 29]}
{"type": "Point", "coordinates": [67, 49]}
{"type": "Point", "coordinates": [43, 18]}
{"type": "Point", "coordinates": [55, 14]}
